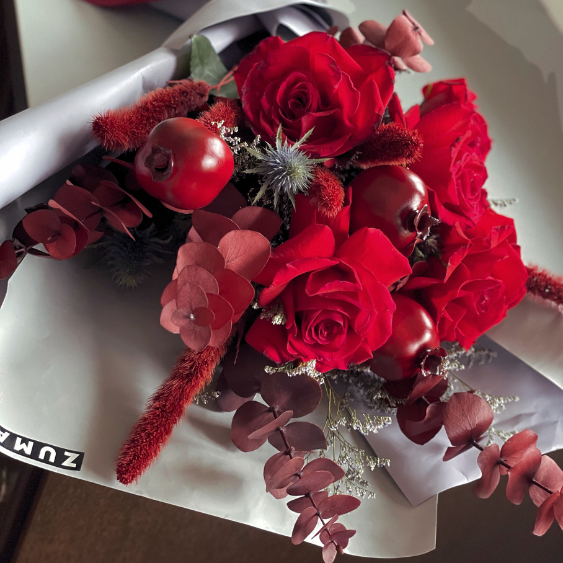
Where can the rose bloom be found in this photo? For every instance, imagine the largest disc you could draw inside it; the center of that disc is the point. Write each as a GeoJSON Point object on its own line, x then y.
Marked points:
{"type": "Point", "coordinates": [456, 143]}
{"type": "Point", "coordinates": [312, 82]}
{"type": "Point", "coordinates": [333, 290]}
{"type": "Point", "coordinates": [478, 277]}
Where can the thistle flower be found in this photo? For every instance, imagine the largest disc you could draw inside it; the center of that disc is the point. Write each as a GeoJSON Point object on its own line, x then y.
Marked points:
{"type": "Point", "coordinates": [285, 169]}
{"type": "Point", "coordinates": [129, 260]}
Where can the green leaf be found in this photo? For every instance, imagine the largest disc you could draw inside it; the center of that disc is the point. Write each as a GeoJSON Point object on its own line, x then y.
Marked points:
{"type": "Point", "coordinates": [206, 65]}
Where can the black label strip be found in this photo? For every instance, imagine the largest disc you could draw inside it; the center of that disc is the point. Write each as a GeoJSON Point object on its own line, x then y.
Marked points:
{"type": "Point", "coordinates": [41, 452]}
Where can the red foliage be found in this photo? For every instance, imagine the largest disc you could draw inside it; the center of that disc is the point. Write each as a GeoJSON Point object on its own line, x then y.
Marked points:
{"type": "Point", "coordinates": [8, 259]}
{"type": "Point", "coordinates": [284, 474]}
{"type": "Point", "coordinates": [390, 144]}
{"type": "Point", "coordinates": [165, 408]}
{"type": "Point", "coordinates": [466, 418]}
{"type": "Point", "coordinates": [128, 128]}
{"type": "Point", "coordinates": [522, 474]}
{"type": "Point", "coordinates": [326, 193]}
{"type": "Point", "coordinates": [545, 285]}
{"type": "Point", "coordinates": [224, 110]}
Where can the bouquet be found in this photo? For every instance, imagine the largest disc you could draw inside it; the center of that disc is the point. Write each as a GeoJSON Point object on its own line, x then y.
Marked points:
{"type": "Point", "coordinates": [326, 244]}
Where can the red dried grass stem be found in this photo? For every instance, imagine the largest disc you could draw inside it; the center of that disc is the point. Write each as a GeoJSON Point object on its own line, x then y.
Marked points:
{"type": "Point", "coordinates": [391, 144]}
{"type": "Point", "coordinates": [326, 192]}
{"type": "Point", "coordinates": [545, 285]}
{"type": "Point", "coordinates": [128, 128]}
{"type": "Point", "coordinates": [192, 372]}
{"type": "Point", "coordinates": [226, 111]}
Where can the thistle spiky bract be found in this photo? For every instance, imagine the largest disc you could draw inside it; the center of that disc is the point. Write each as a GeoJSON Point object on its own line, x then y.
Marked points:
{"type": "Point", "coordinates": [286, 170]}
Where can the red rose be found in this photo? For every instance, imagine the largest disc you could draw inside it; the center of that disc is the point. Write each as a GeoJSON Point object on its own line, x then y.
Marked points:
{"type": "Point", "coordinates": [455, 144]}
{"type": "Point", "coordinates": [334, 295]}
{"type": "Point", "coordinates": [478, 277]}
{"type": "Point", "coordinates": [312, 82]}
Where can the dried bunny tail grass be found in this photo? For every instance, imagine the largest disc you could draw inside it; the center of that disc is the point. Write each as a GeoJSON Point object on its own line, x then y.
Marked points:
{"type": "Point", "coordinates": [546, 286]}
{"type": "Point", "coordinates": [227, 112]}
{"type": "Point", "coordinates": [326, 192]}
{"type": "Point", "coordinates": [128, 128]}
{"type": "Point", "coordinates": [391, 144]}
{"type": "Point", "coordinates": [192, 372]}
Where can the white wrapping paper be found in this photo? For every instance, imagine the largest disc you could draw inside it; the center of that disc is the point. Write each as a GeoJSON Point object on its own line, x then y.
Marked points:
{"type": "Point", "coordinates": [511, 53]}
{"type": "Point", "coordinates": [80, 358]}
{"type": "Point", "coordinates": [420, 471]}
{"type": "Point", "coordinates": [65, 135]}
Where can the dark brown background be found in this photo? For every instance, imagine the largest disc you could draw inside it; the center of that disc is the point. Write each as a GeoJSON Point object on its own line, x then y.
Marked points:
{"type": "Point", "coordinates": [79, 522]}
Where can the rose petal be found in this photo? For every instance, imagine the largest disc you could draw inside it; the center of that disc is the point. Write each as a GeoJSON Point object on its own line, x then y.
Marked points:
{"type": "Point", "coordinates": [371, 248]}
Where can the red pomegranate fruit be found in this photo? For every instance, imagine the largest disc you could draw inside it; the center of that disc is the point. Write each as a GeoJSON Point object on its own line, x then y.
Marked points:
{"type": "Point", "coordinates": [394, 200]}
{"type": "Point", "coordinates": [413, 334]}
{"type": "Point", "coordinates": [183, 164]}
